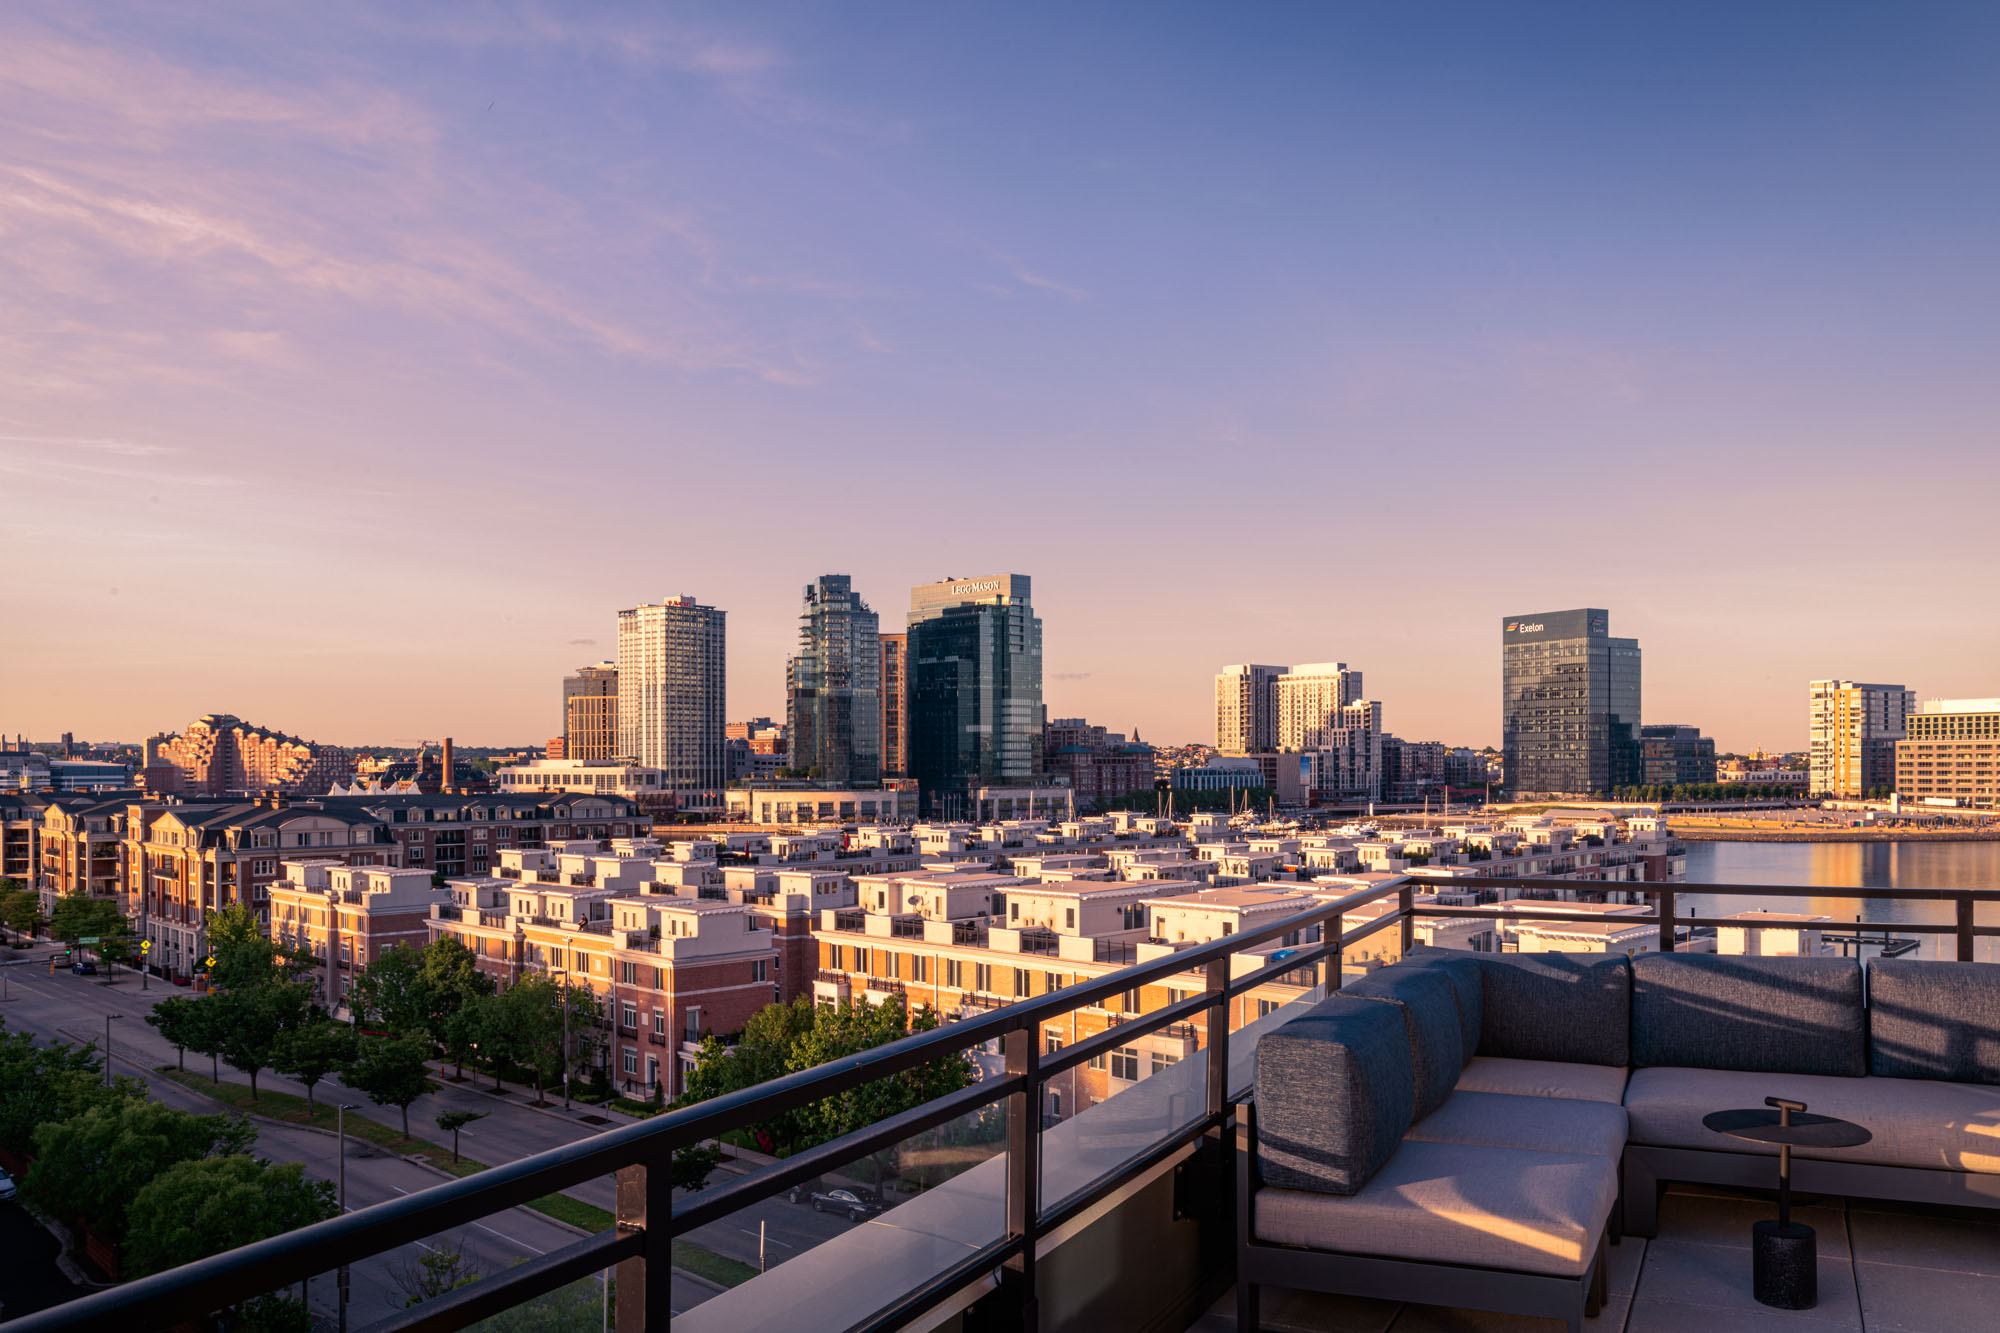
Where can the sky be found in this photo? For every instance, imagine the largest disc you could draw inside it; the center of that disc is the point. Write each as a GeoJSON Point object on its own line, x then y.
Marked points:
{"type": "Point", "coordinates": [358, 363]}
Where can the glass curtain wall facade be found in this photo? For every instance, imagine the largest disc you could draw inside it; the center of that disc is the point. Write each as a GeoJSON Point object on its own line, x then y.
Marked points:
{"type": "Point", "coordinates": [833, 685]}
{"type": "Point", "coordinates": [1569, 704]}
{"type": "Point", "coordinates": [975, 689]}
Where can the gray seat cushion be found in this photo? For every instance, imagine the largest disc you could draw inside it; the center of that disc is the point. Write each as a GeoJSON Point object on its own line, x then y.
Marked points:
{"type": "Point", "coordinates": [1544, 1078]}
{"type": "Point", "coordinates": [1335, 1094]}
{"type": "Point", "coordinates": [1934, 1020]}
{"type": "Point", "coordinates": [1540, 1124]}
{"type": "Point", "coordinates": [1429, 1006]}
{"type": "Point", "coordinates": [1465, 983]}
{"type": "Point", "coordinates": [1530, 1212]}
{"type": "Point", "coordinates": [1915, 1122]}
{"type": "Point", "coordinates": [1770, 1015]}
{"type": "Point", "coordinates": [1551, 1006]}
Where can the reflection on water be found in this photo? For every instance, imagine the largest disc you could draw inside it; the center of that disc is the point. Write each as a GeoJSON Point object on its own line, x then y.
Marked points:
{"type": "Point", "coordinates": [1902, 865]}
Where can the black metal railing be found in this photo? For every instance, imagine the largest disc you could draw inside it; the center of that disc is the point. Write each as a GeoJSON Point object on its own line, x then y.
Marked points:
{"type": "Point", "coordinates": [649, 1217]}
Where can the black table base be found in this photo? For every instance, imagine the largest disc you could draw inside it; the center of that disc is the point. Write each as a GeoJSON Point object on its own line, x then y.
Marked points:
{"type": "Point", "coordinates": [1784, 1265]}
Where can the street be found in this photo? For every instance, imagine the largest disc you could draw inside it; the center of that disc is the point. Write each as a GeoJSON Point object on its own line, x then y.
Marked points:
{"type": "Point", "coordinates": [66, 1007]}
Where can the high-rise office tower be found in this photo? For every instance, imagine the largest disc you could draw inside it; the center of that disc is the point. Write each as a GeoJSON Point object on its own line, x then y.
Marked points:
{"type": "Point", "coordinates": [1246, 708]}
{"type": "Point", "coordinates": [1569, 704]}
{"type": "Point", "coordinates": [895, 705]}
{"type": "Point", "coordinates": [975, 670]}
{"type": "Point", "coordinates": [833, 685]}
{"type": "Point", "coordinates": [671, 692]}
{"type": "Point", "coordinates": [590, 712]}
{"type": "Point", "coordinates": [1853, 733]}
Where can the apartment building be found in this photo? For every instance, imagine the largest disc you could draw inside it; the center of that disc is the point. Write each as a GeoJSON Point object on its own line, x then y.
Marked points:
{"type": "Point", "coordinates": [785, 804]}
{"type": "Point", "coordinates": [79, 845]}
{"type": "Point", "coordinates": [1674, 754]}
{"type": "Point", "coordinates": [671, 964]}
{"type": "Point", "coordinates": [1246, 708]}
{"type": "Point", "coordinates": [221, 755]}
{"type": "Point", "coordinates": [1853, 730]}
{"type": "Point", "coordinates": [590, 713]}
{"type": "Point", "coordinates": [672, 690]}
{"type": "Point", "coordinates": [21, 837]}
{"type": "Point", "coordinates": [895, 705]}
{"type": "Point", "coordinates": [347, 916]}
{"type": "Point", "coordinates": [1950, 755]}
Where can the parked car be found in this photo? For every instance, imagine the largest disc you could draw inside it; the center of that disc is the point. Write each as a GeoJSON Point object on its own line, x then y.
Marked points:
{"type": "Point", "coordinates": [84, 969]}
{"type": "Point", "coordinates": [846, 1203]}
{"type": "Point", "coordinates": [813, 1189]}
{"type": "Point", "coordinates": [7, 1187]}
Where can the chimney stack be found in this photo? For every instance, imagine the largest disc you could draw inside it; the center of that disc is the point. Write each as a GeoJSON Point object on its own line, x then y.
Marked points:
{"type": "Point", "coordinates": [444, 783]}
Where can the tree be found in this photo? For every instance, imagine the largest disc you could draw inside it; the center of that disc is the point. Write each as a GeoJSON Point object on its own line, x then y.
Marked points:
{"type": "Point", "coordinates": [195, 1209]}
{"type": "Point", "coordinates": [693, 1165]}
{"type": "Point", "coordinates": [92, 1165]}
{"type": "Point", "coordinates": [177, 1018]}
{"type": "Point", "coordinates": [459, 1037]}
{"type": "Point", "coordinates": [392, 991]}
{"type": "Point", "coordinates": [531, 1012]}
{"type": "Point", "coordinates": [80, 916]}
{"type": "Point", "coordinates": [455, 1121]}
{"type": "Point", "coordinates": [433, 1273]}
{"type": "Point", "coordinates": [392, 1071]}
{"type": "Point", "coordinates": [253, 1019]}
{"type": "Point", "coordinates": [245, 956]}
{"type": "Point", "coordinates": [313, 1050]}
{"type": "Point", "coordinates": [42, 1085]}
{"type": "Point", "coordinates": [20, 908]}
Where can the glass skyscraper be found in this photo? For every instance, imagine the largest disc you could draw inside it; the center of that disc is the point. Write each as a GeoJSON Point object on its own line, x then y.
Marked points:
{"type": "Point", "coordinates": [1569, 704]}
{"type": "Point", "coordinates": [833, 685]}
{"type": "Point", "coordinates": [975, 682]}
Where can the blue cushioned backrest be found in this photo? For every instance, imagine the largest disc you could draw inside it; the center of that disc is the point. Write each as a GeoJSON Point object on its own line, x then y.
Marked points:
{"type": "Point", "coordinates": [1760, 1015]}
{"type": "Point", "coordinates": [1430, 1013]}
{"type": "Point", "coordinates": [1463, 974]}
{"type": "Point", "coordinates": [1553, 1006]}
{"type": "Point", "coordinates": [1334, 1095]}
{"type": "Point", "coordinates": [1934, 1020]}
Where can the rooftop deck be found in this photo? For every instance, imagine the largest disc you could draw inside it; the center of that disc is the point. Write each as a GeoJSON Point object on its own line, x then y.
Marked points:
{"type": "Point", "coordinates": [1896, 1268]}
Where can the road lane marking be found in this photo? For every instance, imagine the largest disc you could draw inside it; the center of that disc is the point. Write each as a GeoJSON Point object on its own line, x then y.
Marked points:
{"type": "Point", "coordinates": [509, 1239]}
{"type": "Point", "coordinates": [772, 1239]}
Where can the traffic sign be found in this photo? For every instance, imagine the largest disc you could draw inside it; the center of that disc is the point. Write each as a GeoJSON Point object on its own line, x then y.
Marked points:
{"type": "Point", "coordinates": [89, 939]}
{"type": "Point", "coordinates": [145, 946]}
{"type": "Point", "coordinates": [208, 961]}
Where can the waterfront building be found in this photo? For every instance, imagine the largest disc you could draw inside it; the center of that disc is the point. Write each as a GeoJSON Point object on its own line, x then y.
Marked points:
{"type": "Point", "coordinates": [1097, 764]}
{"type": "Point", "coordinates": [1951, 754]}
{"type": "Point", "coordinates": [1246, 708]}
{"type": "Point", "coordinates": [672, 691]}
{"type": "Point", "coordinates": [1675, 755]}
{"type": "Point", "coordinates": [833, 685]}
{"type": "Point", "coordinates": [811, 803]}
{"type": "Point", "coordinates": [975, 692]}
{"type": "Point", "coordinates": [610, 776]}
{"type": "Point", "coordinates": [221, 755]}
{"type": "Point", "coordinates": [1853, 730]}
{"type": "Point", "coordinates": [590, 713]}
{"type": "Point", "coordinates": [895, 705]}
{"type": "Point", "coordinates": [1569, 704]}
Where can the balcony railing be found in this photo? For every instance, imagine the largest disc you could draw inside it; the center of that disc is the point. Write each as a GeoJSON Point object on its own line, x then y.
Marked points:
{"type": "Point", "coordinates": [650, 1217]}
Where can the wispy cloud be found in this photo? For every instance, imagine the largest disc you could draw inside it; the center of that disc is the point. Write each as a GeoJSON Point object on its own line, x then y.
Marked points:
{"type": "Point", "coordinates": [1029, 278]}
{"type": "Point", "coordinates": [583, 643]}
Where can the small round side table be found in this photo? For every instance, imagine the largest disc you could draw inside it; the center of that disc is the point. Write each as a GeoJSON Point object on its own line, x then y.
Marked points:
{"type": "Point", "coordinates": [1785, 1261]}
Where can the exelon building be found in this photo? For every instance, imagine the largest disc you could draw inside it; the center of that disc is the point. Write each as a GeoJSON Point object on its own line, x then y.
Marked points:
{"type": "Point", "coordinates": [975, 689]}
{"type": "Point", "coordinates": [1569, 705]}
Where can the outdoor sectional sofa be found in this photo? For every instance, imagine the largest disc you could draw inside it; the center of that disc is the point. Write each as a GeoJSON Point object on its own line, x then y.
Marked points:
{"type": "Point", "coordinates": [1472, 1129]}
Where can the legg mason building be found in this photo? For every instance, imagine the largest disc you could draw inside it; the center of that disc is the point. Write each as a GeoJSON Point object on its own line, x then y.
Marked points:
{"type": "Point", "coordinates": [1569, 705]}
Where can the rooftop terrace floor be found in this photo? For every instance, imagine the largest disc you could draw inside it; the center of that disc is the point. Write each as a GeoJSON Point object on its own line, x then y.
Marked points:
{"type": "Point", "coordinates": [1899, 1268]}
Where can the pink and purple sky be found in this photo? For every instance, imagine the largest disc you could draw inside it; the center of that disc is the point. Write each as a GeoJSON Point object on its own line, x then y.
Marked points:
{"type": "Point", "coordinates": [357, 363]}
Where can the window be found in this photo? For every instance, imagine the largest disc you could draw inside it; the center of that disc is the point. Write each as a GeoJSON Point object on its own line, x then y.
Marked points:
{"type": "Point", "coordinates": [835, 955]}
{"type": "Point", "coordinates": [982, 976]}
{"type": "Point", "coordinates": [693, 1030]}
{"type": "Point", "coordinates": [861, 961]}
{"type": "Point", "coordinates": [660, 1022]}
{"type": "Point", "coordinates": [1125, 1064]}
{"type": "Point", "coordinates": [760, 970]}
{"type": "Point", "coordinates": [1129, 1001]}
{"type": "Point", "coordinates": [1266, 1007]}
{"type": "Point", "coordinates": [628, 1060]}
{"type": "Point", "coordinates": [628, 1015]}
{"type": "Point", "coordinates": [1021, 984]}
{"type": "Point", "coordinates": [920, 967]}
{"type": "Point", "coordinates": [954, 974]}
{"type": "Point", "coordinates": [1163, 1061]}
{"type": "Point", "coordinates": [1069, 918]}
{"type": "Point", "coordinates": [1013, 911]}
{"type": "Point", "coordinates": [1054, 1040]}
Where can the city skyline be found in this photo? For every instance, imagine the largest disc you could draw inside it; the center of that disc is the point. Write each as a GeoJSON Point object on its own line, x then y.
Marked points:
{"type": "Point", "coordinates": [348, 310]}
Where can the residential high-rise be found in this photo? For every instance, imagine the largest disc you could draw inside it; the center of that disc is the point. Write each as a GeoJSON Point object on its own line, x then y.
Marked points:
{"type": "Point", "coordinates": [975, 671]}
{"type": "Point", "coordinates": [1853, 733]}
{"type": "Point", "coordinates": [671, 691]}
{"type": "Point", "coordinates": [1246, 708]}
{"type": "Point", "coordinates": [895, 705]}
{"type": "Point", "coordinates": [1569, 704]}
{"type": "Point", "coordinates": [1952, 754]}
{"type": "Point", "coordinates": [590, 712]}
{"type": "Point", "coordinates": [222, 755]}
{"type": "Point", "coordinates": [1310, 700]}
{"type": "Point", "coordinates": [833, 685]}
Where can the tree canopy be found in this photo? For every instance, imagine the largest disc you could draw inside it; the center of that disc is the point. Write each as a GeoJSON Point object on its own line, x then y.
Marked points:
{"type": "Point", "coordinates": [195, 1209]}
{"type": "Point", "coordinates": [79, 916]}
{"type": "Point", "coordinates": [391, 1071]}
{"type": "Point", "coordinates": [42, 1085]}
{"type": "Point", "coordinates": [93, 1164]}
{"type": "Point", "coordinates": [313, 1050]}
{"type": "Point", "coordinates": [252, 1020]}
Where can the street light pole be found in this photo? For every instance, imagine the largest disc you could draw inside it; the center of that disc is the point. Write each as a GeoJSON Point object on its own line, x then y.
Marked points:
{"type": "Point", "coordinates": [107, 1047]}
{"type": "Point", "coordinates": [341, 1279]}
